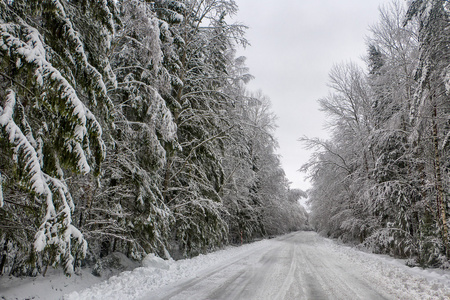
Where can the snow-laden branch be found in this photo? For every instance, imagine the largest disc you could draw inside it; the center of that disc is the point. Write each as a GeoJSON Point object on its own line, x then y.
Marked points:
{"type": "Point", "coordinates": [318, 143]}
{"type": "Point", "coordinates": [56, 92]}
{"type": "Point", "coordinates": [196, 147]}
{"type": "Point", "coordinates": [23, 147]}
{"type": "Point", "coordinates": [58, 216]}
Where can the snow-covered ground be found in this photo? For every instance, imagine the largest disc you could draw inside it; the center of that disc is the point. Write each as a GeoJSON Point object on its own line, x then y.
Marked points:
{"type": "Point", "coordinates": [296, 266]}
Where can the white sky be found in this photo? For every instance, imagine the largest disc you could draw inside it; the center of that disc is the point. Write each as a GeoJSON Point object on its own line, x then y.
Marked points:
{"type": "Point", "coordinates": [294, 44]}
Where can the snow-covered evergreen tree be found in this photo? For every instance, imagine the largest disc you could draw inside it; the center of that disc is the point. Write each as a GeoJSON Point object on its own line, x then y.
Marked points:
{"type": "Point", "coordinates": [431, 110]}
{"type": "Point", "coordinates": [129, 213]}
{"type": "Point", "coordinates": [54, 81]}
{"type": "Point", "coordinates": [194, 174]}
{"type": "Point", "coordinates": [393, 196]}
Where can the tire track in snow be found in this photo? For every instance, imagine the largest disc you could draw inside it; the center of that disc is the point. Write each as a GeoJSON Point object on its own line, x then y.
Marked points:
{"type": "Point", "coordinates": [218, 279]}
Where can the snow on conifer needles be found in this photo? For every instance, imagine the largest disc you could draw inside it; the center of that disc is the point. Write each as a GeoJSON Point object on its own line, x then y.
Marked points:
{"type": "Point", "coordinates": [42, 101]}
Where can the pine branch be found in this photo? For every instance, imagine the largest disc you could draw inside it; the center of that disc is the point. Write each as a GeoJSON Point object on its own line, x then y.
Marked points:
{"type": "Point", "coordinates": [197, 146]}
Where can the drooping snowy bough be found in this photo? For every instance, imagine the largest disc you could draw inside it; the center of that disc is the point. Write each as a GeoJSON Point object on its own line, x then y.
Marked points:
{"type": "Point", "coordinates": [47, 84]}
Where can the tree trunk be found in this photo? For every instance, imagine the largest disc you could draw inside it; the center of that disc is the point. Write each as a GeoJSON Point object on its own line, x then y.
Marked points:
{"type": "Point", "coordinates": [440, 197]}
{"type": "Point", "coordinates": [5, 254]}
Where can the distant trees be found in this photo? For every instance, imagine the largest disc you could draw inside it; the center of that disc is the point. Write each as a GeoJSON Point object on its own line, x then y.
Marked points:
{"type": "Point", "coordinates": [125, 126]}
{"type": "Point", "coordinates": [382, 178]}
{"type": "Point", "coordinates": [257, 189]}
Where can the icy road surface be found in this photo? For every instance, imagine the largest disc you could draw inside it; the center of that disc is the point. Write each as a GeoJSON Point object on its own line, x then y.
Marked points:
{"type": "Point", "coordinates": [300, 265]}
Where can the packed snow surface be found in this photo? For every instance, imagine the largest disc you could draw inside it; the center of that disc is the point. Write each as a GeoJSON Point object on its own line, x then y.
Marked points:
{"type": "Point", "coordinates": [300, 265]}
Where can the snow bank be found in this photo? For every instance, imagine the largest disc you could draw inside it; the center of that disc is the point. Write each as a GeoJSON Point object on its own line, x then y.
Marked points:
{"type": "Point", "coordinates": [153, 261]}
{"type": "Point", "coordinates": [398, 279]}
{"type": "Point", "coordinates": [55, 284]}
{"type": "Point", "coordinates": [51, 287]}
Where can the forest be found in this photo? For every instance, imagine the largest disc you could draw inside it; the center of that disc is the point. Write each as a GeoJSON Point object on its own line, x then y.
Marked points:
{"type": "Point", "coordinates": [126, 126]}
{"type": "Point", "coordinates": [382, 178]}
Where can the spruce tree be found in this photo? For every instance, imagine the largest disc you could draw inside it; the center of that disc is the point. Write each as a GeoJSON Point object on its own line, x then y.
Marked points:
{"type": "Point", "coordinates": [54, 98]}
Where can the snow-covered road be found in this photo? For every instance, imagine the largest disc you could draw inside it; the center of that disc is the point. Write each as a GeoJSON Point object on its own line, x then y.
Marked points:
{"type": "Point", "coordinates": [300, 265]}
{"type": "Point", "coordinates": [297, 266]}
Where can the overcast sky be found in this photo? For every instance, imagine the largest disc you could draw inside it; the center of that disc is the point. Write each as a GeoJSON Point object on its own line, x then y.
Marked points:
{"type": "Point", "coordinates": [294, 44]}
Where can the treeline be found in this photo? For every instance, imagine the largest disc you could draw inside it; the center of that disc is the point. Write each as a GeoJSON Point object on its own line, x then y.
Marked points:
{"type": "Point", "coordinates": [382, 179]}
{"type": "Point", "coordinates": [126, 126]}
